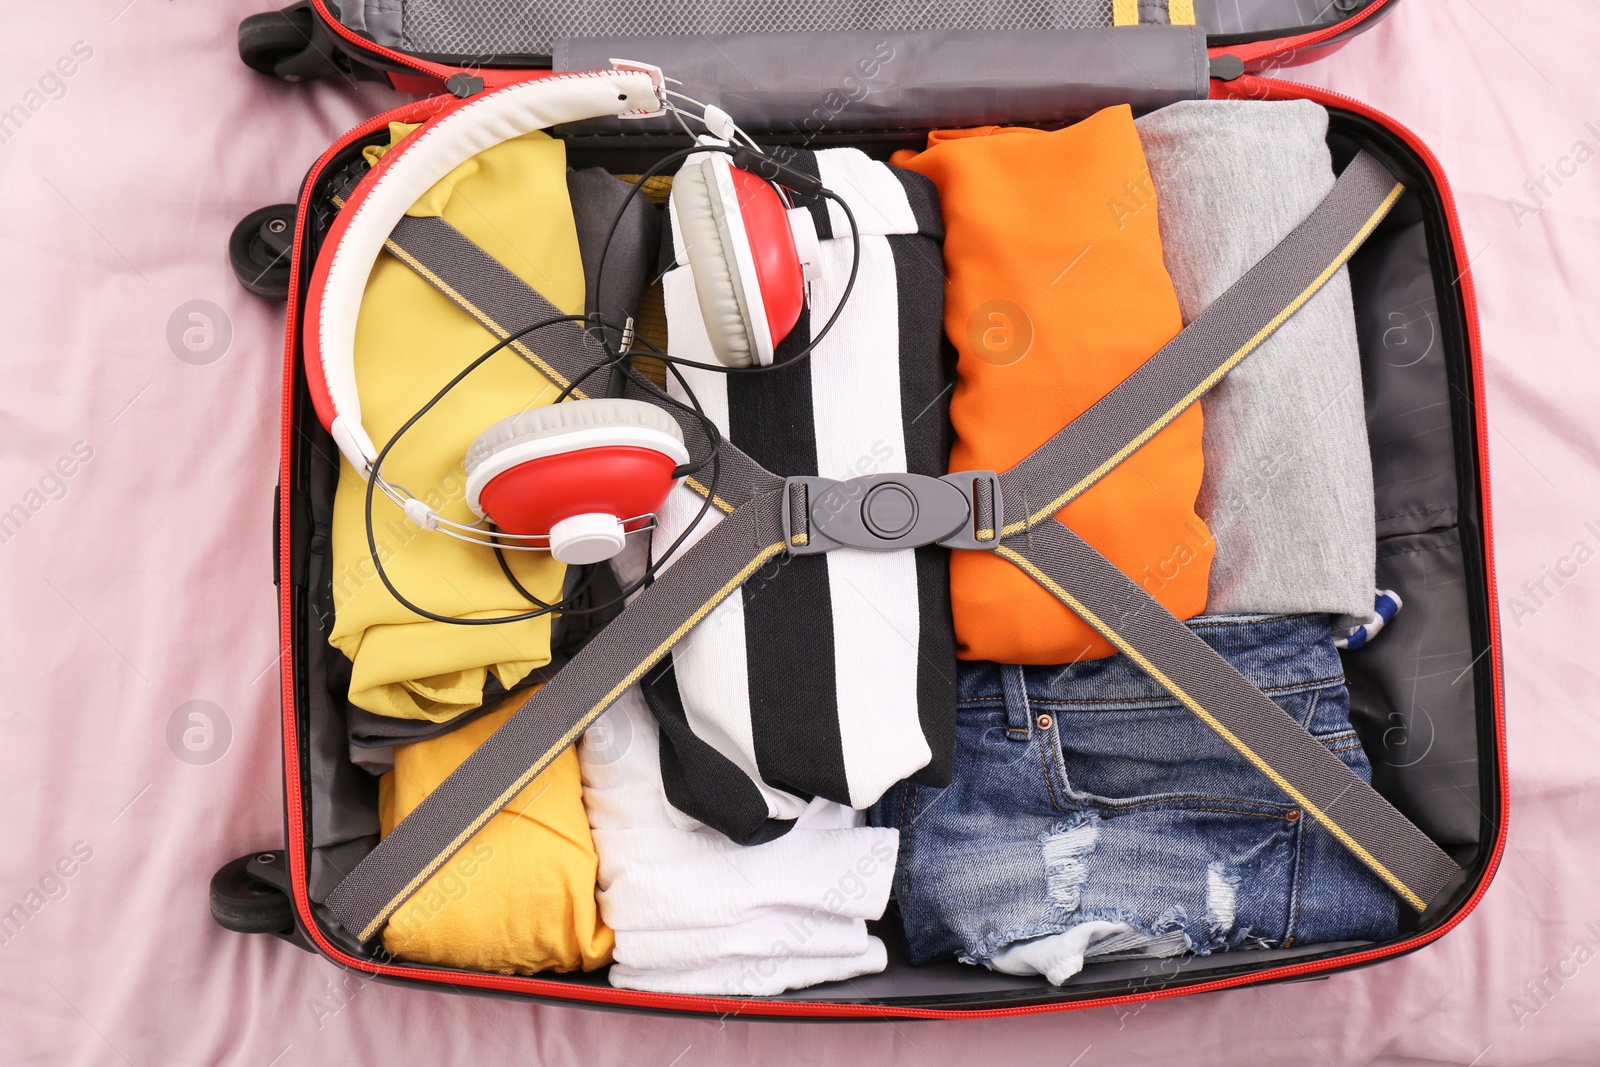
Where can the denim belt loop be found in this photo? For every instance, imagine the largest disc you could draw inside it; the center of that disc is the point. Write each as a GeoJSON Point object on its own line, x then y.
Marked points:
{"type": "Point", "coordinates": [1019, 714]}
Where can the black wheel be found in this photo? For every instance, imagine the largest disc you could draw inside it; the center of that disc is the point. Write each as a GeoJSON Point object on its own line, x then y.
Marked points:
{"type": "Point", "coordinates": [246, 905]}
{"type": "Point", "coordinates": [259, 250]}
{"type": "Point", "coordinates": [267, 39]}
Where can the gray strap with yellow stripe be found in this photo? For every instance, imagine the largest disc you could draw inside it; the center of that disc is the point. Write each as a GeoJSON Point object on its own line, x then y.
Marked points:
{"type": "Point", "coordinates": [1127, 616]}
{"type": "Point", "coordinates": [1259, 730]}
{"type": "Point", "coordinates": [546, 725]}
{"type": "Point", "coordinates": [476, 282]}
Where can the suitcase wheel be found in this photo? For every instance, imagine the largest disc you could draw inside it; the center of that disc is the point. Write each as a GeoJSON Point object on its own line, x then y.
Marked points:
{"type": "Point", "coordinates": [259, 250]}
{"type": "Point", "coordinates": [291, 44]}
{"type": "Point", "coordinates": [267, 39]}
{"type": "Point", "coordinates": [245, 902]}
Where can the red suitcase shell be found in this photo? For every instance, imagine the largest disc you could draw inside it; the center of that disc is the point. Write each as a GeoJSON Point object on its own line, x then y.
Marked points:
{"type": "Point", "coordinates": [1240, 65]}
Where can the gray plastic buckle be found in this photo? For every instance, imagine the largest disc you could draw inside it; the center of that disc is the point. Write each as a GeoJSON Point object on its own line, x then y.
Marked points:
{"type": "Point", "coordinates": [888, 512]}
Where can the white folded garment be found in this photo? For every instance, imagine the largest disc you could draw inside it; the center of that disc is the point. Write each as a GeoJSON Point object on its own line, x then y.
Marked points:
{"type": "Point", "coordinates": [753, 976]}
{"type": "Point", "coordinates": [695, 913]}
{"type": "Point", "coordinates": [777, 933]}
{"type": "Point", "coordinates": [655, 878]}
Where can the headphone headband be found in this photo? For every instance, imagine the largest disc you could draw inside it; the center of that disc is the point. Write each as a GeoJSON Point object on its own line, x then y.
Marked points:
{"type": "Point", "coordinates": [404, 174]}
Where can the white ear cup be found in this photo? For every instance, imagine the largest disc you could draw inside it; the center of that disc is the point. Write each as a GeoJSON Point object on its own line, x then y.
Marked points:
{"type": "Point", "coordinates": [537, 424]}
{"type": "Point", "coordinates": [719, 257]}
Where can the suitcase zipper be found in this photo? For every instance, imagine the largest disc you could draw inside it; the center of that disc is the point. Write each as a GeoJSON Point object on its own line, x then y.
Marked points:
{"type": "Point", "coordinates": [441, 73]}
{"type": "Point", "coordinates": [1255, 52]}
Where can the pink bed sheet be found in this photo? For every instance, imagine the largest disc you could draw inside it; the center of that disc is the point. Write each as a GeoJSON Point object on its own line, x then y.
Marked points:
{"type": "Point", "coordinates": [138, 593]}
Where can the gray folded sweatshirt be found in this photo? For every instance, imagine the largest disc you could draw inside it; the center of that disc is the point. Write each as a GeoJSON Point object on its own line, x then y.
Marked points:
{"type": "Point", "coordinates": [1288, 476]}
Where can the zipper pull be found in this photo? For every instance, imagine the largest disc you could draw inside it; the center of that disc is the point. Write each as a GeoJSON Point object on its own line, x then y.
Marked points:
{"type": "Point", "coordinates": [462, 84]}
{"type": "Point", "coordinates": [1226, 67]}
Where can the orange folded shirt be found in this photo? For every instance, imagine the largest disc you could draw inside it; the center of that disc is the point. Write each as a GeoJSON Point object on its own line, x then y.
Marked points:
{"type": "Point", "coordinates": [1056, 293]}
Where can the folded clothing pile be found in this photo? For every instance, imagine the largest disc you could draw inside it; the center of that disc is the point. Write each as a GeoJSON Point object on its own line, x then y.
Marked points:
{"type": "Point", "coordinates": [825, 676]}
{"type": "Point", "coordinates": [723, 792]}
{"type": "Point", "coordinates": [519, 896]}
{"type": "Point", "coordinates": [695, 913]}
{"type": "Point", "coordinates": [1139, 832]}
{"type": "Point", "coordinates": [1057, 292]}
{"type": "Point", "coordinates": [409, 341]}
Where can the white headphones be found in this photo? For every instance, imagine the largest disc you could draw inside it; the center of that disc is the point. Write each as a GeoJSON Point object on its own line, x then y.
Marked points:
{"type": "Point", "coordinates": [575, 478]}
{"type": "Point", "coordinates": [523, 471]}
{"type": "Point", "coordinates": [404, 174]}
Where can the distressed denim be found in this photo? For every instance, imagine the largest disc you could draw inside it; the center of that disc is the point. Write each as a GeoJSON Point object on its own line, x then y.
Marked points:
{"type": "Point", "coordinates": [1087, 802]}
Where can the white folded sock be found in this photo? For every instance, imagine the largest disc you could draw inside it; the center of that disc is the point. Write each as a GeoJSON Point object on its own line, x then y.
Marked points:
{"type": "Point", "coordinates": [778, 933]}
{"type": "Point", "coordinates": [1060, 956]}
{"type": "Point", "coordinates": [753, 977]}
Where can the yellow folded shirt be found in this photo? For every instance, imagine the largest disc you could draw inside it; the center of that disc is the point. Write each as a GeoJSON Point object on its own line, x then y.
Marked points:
{"type": "Point", "coordinates": [519, 898]}
{"type": "Point", "coordinates": [512, 201]}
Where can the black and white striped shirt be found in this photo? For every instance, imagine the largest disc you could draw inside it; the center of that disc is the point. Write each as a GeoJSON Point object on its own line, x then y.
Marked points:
{"type": "Point", "coordinates": [827, 676]}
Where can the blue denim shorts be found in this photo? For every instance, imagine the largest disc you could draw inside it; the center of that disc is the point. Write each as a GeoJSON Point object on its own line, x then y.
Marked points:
{"type": "Point", "coordinates": [1085, 794]}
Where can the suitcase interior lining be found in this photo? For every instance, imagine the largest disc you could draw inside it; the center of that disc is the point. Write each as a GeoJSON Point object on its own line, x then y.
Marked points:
{"type": "Point", "coordinates": [507, 29]}
{"type": "Point", "coordinates": [1422, 698]}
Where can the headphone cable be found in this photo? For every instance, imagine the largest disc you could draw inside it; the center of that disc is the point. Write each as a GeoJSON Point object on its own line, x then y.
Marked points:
{"type": "Point", "coordinates": [614, 357]}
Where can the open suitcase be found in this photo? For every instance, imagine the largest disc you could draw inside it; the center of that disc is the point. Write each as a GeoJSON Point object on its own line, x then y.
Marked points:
{"type": "Point", "coordinates": [1426, 700]}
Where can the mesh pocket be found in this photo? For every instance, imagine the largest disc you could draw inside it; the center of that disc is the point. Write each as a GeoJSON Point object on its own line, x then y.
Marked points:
{"type": "Point", "coordinates": [484, 28]}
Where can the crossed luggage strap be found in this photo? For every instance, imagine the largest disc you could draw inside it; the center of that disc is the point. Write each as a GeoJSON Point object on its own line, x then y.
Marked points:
{"type": "Point", "coordinates": [1012, 514]}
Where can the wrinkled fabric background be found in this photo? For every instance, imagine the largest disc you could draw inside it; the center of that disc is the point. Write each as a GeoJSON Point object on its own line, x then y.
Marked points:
{"type": "Point", "coordinates": [142, 583]}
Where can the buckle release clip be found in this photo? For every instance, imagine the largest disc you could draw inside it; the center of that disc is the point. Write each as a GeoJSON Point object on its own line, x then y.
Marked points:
{"type": "Point", "coordinates": [891, 511]}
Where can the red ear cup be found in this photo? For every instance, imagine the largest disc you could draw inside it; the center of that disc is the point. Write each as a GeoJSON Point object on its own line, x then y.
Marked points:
{"type": "Point", "coordinates": [778, 270]}
{"type": "Point", "coordinates": [580, 498]}
{"type": "Point", "coordinates": [740, 247]}
{"type": "Point", "coordinates": [584, 473]}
